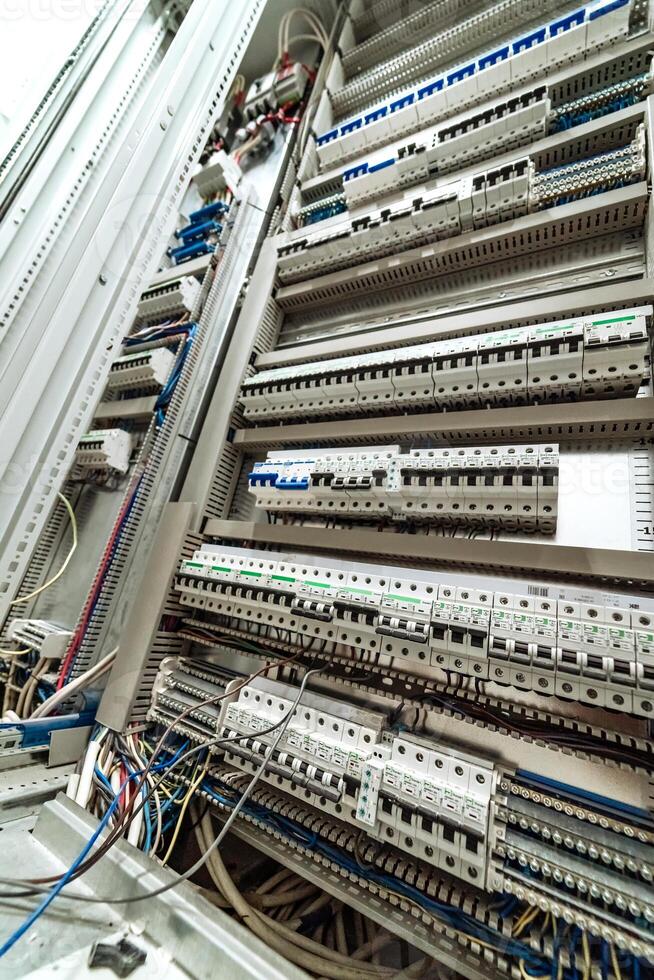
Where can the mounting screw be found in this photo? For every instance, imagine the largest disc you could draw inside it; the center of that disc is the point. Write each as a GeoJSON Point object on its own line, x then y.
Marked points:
{"type": "Point", "coordinates": [163, 125]}
{"type": "Point", "coordinates": [102, 279]}
{"type": "Point", "coordinates": [170, 110]}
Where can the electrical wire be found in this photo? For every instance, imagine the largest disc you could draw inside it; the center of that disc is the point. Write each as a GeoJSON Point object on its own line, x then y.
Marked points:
{"type": "Point", "coordinates": [585, 945]}
{"type": "Point", "coordinates": [459, 921]}
{"type": "Point", "coordinates": [614, 962]}
{"type": "Point", "coordinates": [32, 885]}
{"type": "Point", "coordinates": [73, 549]}
{"type": "Point", "coordinates": [191, 790]}
{"type": "Point", "coordinates": [114, 900]}
{"type": "Point", "coordinates": [78, 684]}
{"type": "Point", "coordinates": [309, 954]}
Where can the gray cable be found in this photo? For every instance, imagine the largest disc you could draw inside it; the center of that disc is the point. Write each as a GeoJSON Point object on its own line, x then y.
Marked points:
{"type": "Point", "coordinates": [281, 726]}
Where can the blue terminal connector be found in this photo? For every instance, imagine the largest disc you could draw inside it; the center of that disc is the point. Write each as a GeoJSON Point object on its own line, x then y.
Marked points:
{"type": "Point", "coordinates": [209, 211]}
{"type": "Point", "coordinates": [190, 251]}
{"type": "Point", "coordinates": [201, 229]}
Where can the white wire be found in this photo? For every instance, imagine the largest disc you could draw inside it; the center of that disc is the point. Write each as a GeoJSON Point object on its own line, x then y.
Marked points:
{"type": "Point", "coordinates": [75, 685]}
{"type": "Point", "coordinates": [73, 549]}
{"type": "Point", "coordinates": [306, 37]}
{"type": "Point", "coordinates": [313, 20]}
{"type": "Point", "coordinates": [283, 34]}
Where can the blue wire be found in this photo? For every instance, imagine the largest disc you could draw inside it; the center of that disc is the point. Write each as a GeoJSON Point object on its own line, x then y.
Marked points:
{"type": "Point", "coordinates": [63, 881]}
{"type": "Point", "coordinates": [574, 939]}
{"type": "Point", "coordinates": [167, 392]}
{"type": "Point", "coordinates": [147, 819]}
{"type": "Point", "coordinates": [103, 779]}
{"type": "Point", "coordinates": [456, 918]}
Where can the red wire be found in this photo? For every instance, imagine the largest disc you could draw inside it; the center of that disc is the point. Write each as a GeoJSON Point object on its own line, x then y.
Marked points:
{"type": "Point", "coordinates": [97, 585]}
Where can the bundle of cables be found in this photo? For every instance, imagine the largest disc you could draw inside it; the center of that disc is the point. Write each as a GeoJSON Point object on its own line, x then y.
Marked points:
{"type": "Point", "coordinates": [314, 31]}
{"type": "Point", "coordinates": [115, 777]}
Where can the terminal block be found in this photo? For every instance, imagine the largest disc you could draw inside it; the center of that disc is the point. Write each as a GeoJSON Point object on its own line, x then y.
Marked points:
{"type": "Point", "coordinates": [504, 486]}
{"type": "Point", "coordinates": [221, 173]}
{"type": "Point", "coordinates": [285, 86]}
{"type": "Point", "coordinates": [597, 653]}
{"type": "Point", "coordinates": [510, 123]}
{"type": "Point", "coordinates": [143, 369]}
{"type": "Point", "coordinates": [425, 215]}
{"type": "Point", "coordinates": [176, 296]}
{"type": "Point", "coordinates": [425, 797]}
{"type": "Point", "coordinates": [596, 356]}
{"type": "Point", "coordinates": [566, 39]}
{"type": "Point", "coordinates": [104, 450]}
{"type": "Point", "coordinates": [47, 639]}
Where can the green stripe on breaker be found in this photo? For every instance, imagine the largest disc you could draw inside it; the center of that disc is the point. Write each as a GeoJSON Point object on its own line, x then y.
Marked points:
{"type": "Point", "coordinates": [404, 598]}
{"type": "Point", "coordinates": [563, 326]}
{"type": "Point", "coordinates": [614, 319]}
{"type": "Point", "coordinates": [283, 578]}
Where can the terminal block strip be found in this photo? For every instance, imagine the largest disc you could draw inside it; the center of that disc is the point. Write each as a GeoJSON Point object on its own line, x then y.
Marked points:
{"type": "Point", "coordinates": [598, 654]}
{"type": "Point", "coordinates": [104, 450]}
{"type": "Point", "coordinates": [565, 40]}
{"type": "Point", "coordinates": [596, 356]}
{"type": "Point", "coordinates": [510, 123]}
{"type": "Point", "coordinates": [47, 639]}
{"type": "Point", "coordinates": [504, 486]}
{"type": "Point", "coordinates": [178, 295]}
{"type": "Point", "coordinates": [445, 813]}
{"type": "Point", "coordinates": [424, 215]}
{"type": "Point", "coordinates": [142, 369]}
{"type": "Point", "coordinates": [402, 789]}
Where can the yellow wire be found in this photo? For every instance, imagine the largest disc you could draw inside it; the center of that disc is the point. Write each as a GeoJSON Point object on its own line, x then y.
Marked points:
{"type": "Point", "coordinates": [73, 549]}
{"type": "Point", "coordinates": [527, 916]}
{"type": "Point", "coordinates": [615, 964]}
{"type": "Point", "coordinates": [191, 790]}
{"type": "Point", "coordinates": [586, 949]}
{"type": "Point", "coordinates": [15, 653]}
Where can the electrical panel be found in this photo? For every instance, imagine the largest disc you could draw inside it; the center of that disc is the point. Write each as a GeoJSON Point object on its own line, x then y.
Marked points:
{"type": "Point", "coordinates": [502, 486]}
{"type": "Point", "coordinates": [433, 209]}
{"type": "Point", "coordinates": [464, 234]}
